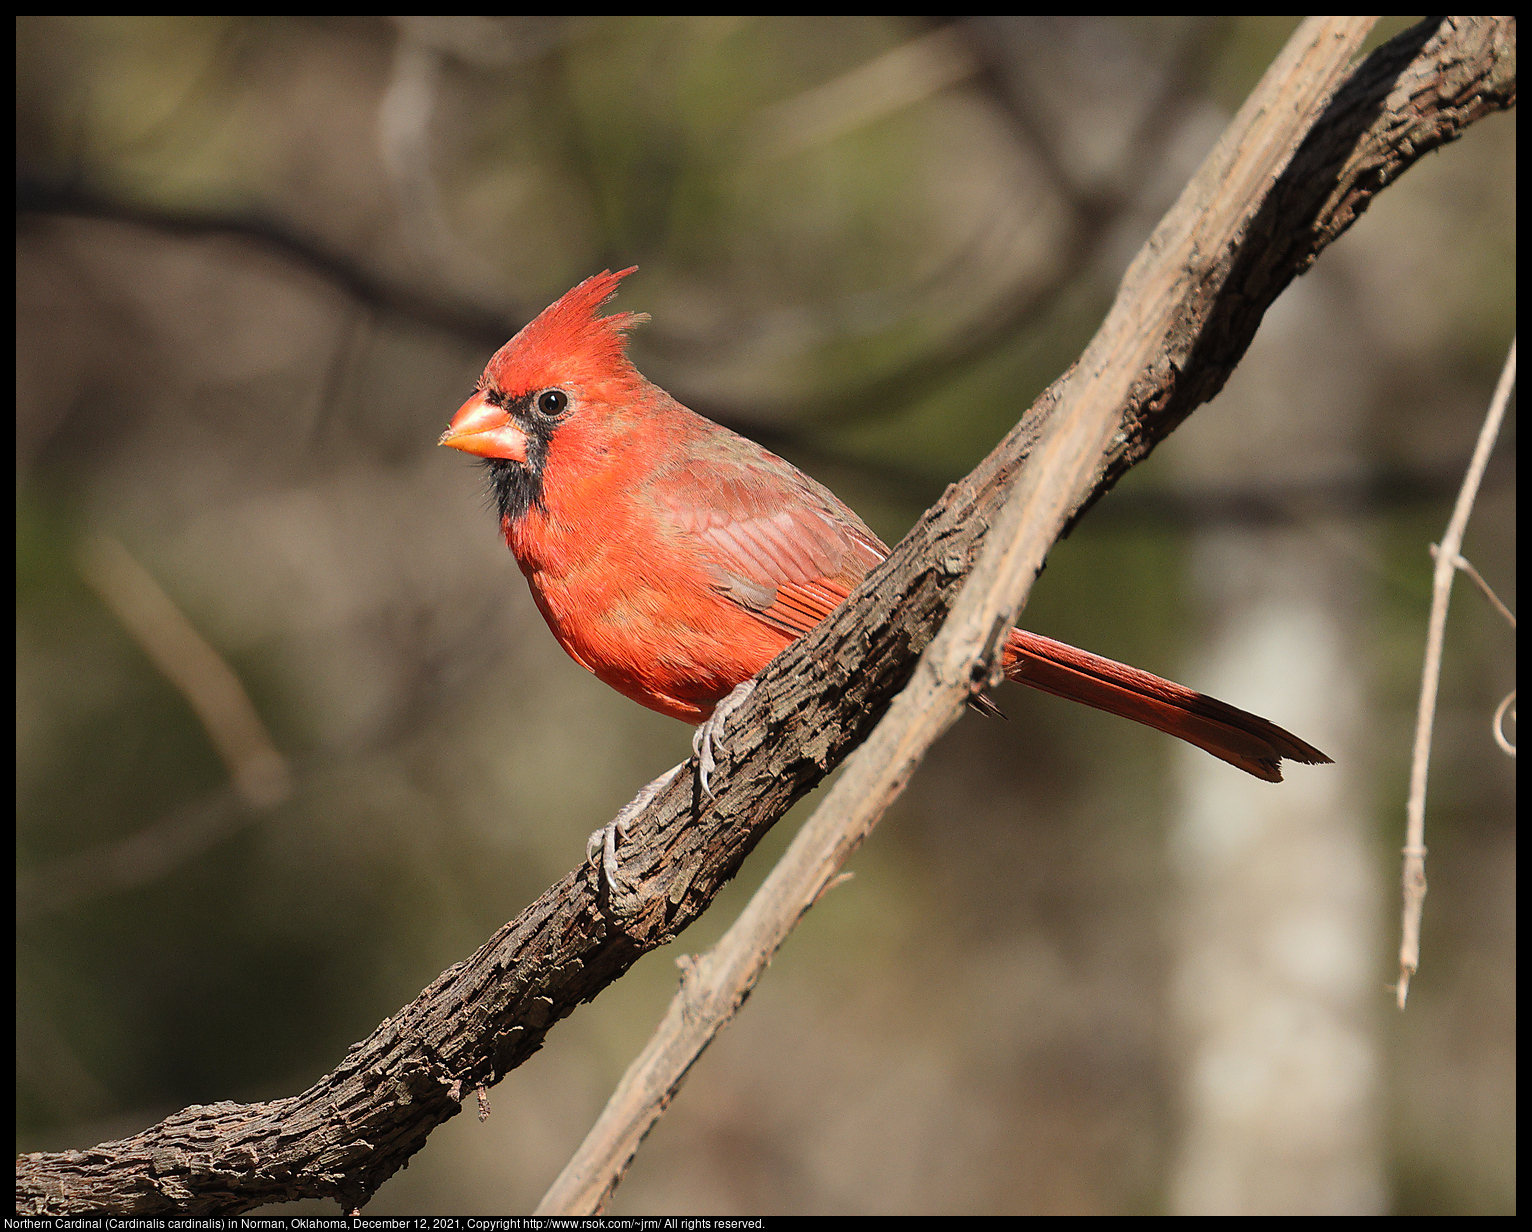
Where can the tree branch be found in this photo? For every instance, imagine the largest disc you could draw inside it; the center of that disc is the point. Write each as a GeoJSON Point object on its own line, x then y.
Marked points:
{"type": "Point", "coordinates": [356, 1126]}
{"type": "Point", "coordinates": [1151, 303]}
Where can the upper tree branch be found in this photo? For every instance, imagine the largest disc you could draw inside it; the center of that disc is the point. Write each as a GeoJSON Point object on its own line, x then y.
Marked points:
{"type": "Point", "coordinates": [359, 1124]}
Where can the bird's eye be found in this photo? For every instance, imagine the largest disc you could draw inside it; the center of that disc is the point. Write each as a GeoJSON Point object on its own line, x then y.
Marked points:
{"type": "Point", "coordinates": [553, 402]}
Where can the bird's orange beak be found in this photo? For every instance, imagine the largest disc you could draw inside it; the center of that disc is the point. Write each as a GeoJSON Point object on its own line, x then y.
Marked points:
{"type": "Point", "coordinates": [482, 428]}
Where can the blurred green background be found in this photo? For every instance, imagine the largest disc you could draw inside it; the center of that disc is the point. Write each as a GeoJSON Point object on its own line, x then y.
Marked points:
{"type": "Point", "coordinates": [260, 263]}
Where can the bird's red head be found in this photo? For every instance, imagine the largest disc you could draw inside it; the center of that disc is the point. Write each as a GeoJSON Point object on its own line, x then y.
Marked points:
{"type": "Point", "coordinates": [565, 351]}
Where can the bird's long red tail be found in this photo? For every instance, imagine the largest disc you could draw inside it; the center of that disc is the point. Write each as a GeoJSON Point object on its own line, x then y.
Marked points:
{"type": "Point", "coordinates": [1238, 737]}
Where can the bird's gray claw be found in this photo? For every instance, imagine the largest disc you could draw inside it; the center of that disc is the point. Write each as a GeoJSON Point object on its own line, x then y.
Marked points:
{"type": "Point", "coordinates": [712, 729]}
{"type": "Point", "coordinates": [601, 846]}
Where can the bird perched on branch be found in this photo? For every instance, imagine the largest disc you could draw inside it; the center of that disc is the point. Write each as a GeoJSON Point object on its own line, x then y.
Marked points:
{"type": "Point", "coordinates": [674, 559]}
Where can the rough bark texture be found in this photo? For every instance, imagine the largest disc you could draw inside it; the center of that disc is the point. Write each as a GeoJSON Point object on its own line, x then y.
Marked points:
{"type": "Point", "coordinates": [359, 1124]}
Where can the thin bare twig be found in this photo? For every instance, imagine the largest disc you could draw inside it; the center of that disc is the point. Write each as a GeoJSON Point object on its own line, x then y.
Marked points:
{"type": "Point", "coordinates": [1441, 592]}
{"type": "Point", "coordinates": [1488, 591]}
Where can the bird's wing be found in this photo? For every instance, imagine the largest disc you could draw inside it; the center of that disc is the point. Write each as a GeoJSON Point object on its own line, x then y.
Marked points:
{"type": "Point", "coordinates": [775, 542]}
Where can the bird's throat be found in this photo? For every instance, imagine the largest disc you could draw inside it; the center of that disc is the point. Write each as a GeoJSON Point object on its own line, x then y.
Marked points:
{"type": "Point", "coordinates": [517, 487]}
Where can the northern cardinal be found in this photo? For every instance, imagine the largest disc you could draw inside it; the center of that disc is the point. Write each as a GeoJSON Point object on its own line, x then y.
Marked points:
{"type": "Point", "coordinates": [674, 559]}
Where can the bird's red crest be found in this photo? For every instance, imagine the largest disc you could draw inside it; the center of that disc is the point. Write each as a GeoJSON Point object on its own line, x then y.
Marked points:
{"type": "Point", "coordinates": [568, 343]}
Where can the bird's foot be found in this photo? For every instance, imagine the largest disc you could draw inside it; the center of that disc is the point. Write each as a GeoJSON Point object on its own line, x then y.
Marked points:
{"type": "Point", "coordinates": [601, 846]}
{"type": "Point", "coordinates": [702, 742]}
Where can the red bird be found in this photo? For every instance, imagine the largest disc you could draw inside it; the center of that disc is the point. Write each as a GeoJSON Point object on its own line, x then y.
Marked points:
{"type": "Point", "coordinates": [675, 559]}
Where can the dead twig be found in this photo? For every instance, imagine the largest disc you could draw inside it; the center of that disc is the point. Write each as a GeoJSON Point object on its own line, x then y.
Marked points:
{"type": "Point", "coordinates": [1447, 557]}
